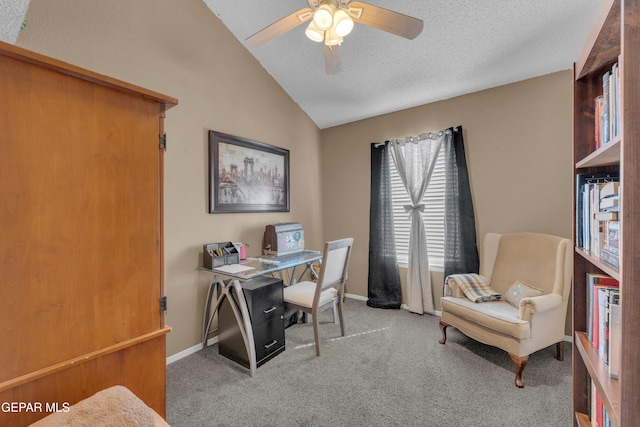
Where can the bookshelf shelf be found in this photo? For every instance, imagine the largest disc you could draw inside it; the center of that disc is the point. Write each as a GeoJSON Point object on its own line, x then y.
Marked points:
{"type": "Point", "coordinates": [605, 267]}
{"type": "Point", "coordinates": [599, 373]}
{"type": "Point", "coordinates": [606, 155]}
{"type": "Point", "coordinates": [611, 54]}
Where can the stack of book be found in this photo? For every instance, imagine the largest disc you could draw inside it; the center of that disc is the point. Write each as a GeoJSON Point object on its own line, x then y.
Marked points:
{"type": "Point", "coordinates": [603, 320]}
{"type": "Point", "coordinates": [607, 108]}
{"type": "Point", "coordinates": [597, 209]}
{"type": "Point", "coordinates": [599, 415]}
{"type": "Point", "coordinates": [608, 217]}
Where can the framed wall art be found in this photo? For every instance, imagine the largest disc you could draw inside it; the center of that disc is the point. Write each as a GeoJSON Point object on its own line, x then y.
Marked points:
{"type": "Point", "coordinates": [246, 175]}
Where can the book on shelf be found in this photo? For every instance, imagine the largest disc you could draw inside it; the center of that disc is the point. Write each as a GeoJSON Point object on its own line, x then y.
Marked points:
{"type": "Point", "coordinates": [610, 252]}
{"type": "Point", "coordinates": [604, 124]}
{"type": "Point", "coordinates": [615, 333]}
{"type": "Point", "coordinates": [597, 199]}
{"type": "Point", "coordinates": [613, 235]}
{"type": "Point", "coordinates": [607, 216]}
{"type": "Point", "coordinates": [603, 319]}
{"type": "Point", "coordinates": [610, 257]}
{"type": "Point", "coordinates": [610, 204]}
{"type": "Point", "coordinates": [604, 307]}
{"type": "Point", "coordinates": [598, 413]}
{"type": "Point", "coordinates": [595, 282]}
{"type": "Point", "coordinates": [614, 104]}
{"type": "Point", "coordinates": [593, 404]}
{"type": "Point", "coordinates": [598, 120]}
{"type": "Point", "coordinates": [609, 189]}
{"type": "Point", "coordinates": [584, 185]}
{"type": "Point", "coordinates": [607, 108]}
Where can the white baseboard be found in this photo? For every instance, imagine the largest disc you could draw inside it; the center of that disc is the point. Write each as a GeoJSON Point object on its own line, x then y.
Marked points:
{"type": "Point", "coordinates": [184, 353]}
{"type": "Point", "coordinates": [354, 296]}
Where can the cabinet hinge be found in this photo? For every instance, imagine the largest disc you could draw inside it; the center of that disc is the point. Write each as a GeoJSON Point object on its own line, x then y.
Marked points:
{"type": "Point", "coordinates": [163, 141]}
{"type": "Point", "coordinates": [163, 304]}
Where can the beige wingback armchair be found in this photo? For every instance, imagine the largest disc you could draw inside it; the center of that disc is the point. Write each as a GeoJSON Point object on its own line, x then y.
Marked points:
{"type": "Point", "coordinates": [532, 272]}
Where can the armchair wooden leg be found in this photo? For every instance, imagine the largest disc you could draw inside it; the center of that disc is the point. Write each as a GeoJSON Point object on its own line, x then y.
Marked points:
{"type": "Point", "coordinates": [560, 351]}
{"type": "Point", "coordinates": [443, 328]}
{"type": "Point", "coordinates": [519, 363]}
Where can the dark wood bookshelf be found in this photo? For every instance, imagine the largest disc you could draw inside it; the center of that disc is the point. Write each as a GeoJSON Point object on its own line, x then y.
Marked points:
{"type": "Point", "coordinates": [614, 38]}
{"type": "Point", "coordinates": [599, 372]}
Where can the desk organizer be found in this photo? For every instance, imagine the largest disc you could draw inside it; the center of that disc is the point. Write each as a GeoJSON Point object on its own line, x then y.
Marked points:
{"type": "Point", "coordinates": [219, 254]}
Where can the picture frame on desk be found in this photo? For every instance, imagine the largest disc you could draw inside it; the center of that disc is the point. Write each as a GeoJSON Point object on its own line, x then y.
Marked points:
{"type": "Point", "coordinates": [246, 175]}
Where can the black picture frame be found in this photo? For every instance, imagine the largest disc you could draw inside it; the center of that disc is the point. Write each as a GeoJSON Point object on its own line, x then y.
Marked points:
{"type": "Point", "coordinates": [246, 175]}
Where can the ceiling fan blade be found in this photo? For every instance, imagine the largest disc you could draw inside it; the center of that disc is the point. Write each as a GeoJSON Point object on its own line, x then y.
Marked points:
{"type": "Point", "coordinates": [332, 59]}
{"type": "Point", "coordinates": [385, 19]}
{"type": "Point", "coordinates": [279, 27]}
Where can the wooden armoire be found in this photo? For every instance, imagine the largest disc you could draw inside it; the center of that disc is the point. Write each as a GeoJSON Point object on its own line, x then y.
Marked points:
{"type": "Point", "coordinates": [81, 236]}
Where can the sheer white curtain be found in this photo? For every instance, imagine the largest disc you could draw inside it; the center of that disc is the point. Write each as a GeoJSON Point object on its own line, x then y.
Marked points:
{"type": "Point", "coordinates": [415, 158]}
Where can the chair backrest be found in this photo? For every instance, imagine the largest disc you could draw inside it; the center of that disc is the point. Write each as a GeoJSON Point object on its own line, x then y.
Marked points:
{"type": "Point", "coordinates": [335, 265]}
{"type": "Point", "coordinates": [542, 260]}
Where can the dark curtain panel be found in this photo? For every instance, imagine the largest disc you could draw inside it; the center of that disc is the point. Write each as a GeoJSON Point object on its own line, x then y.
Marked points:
{"type": "Point", "coordinates": [460, 248]}
{"type": "Point", "coordinates": [384, 277]}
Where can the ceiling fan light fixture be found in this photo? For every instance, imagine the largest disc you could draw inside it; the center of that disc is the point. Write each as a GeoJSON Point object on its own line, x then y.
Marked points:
{"type": "Point", "coordinates": [331, 38]}
{"type": "Point", "coordinates": [332, 20]}
{"type": "Point", "coordinates": [314, 33]}
{"type": "Point", "coordinates": [323, 17]}
{"type": "Point", "coordinates": [342, 23]}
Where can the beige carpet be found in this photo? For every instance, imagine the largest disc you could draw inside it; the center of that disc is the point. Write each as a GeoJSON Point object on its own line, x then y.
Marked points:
{"type": "Point", "coordinates": [388, 371]}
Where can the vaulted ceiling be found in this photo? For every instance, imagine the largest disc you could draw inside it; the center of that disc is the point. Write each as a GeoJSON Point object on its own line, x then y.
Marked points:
{"type": "Point", "coordinates": [465, 46]}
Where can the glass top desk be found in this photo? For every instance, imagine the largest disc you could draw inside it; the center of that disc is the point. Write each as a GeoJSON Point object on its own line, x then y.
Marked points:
{"type": "Point", "coordinates": [226, 282]}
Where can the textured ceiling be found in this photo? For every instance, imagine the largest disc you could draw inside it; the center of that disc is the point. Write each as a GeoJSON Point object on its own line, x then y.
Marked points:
{"type": "Point", "coordinates": [465, 46]}
{"type": "Point", "coordinates": [12, 13]}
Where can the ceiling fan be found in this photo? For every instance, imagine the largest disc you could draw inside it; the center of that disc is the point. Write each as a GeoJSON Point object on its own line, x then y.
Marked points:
{"type": "Point", "coordinates": [332, 20]}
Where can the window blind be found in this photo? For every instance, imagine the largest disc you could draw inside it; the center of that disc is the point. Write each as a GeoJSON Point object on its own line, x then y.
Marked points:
{"type": "Point", "coordinates": [433, 214]}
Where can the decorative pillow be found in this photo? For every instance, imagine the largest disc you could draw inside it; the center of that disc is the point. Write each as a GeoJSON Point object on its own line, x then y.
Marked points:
{"type": "Point", "coordinates": [520, 290]}
{"type": "Point", "coordinates": [475, 287]}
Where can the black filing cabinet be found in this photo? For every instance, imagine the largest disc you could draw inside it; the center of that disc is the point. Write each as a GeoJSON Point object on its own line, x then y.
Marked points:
{"type": "Point", "coordinates": [266, 308]}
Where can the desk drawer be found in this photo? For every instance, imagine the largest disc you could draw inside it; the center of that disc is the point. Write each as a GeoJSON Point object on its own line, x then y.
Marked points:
{"type": "Point", "coordinates": [269, 339]}
{"type": "Point", "coordinates": [265, 302]}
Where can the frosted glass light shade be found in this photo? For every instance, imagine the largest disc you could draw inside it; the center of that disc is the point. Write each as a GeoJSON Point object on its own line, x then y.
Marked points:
{"type": "Point", "coordinates": [342, 22]}
{"type": "Point", "coordinates": [323, 17]}
{"type": "Point", "coordinates": [313, 33]}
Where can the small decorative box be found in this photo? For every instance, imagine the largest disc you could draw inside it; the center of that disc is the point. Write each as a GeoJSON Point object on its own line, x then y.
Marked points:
{"type": "Point", "coordinates": [219, 254]}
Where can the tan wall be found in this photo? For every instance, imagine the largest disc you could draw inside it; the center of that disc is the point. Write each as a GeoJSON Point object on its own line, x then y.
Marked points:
{"type": "Point", "coordinates": [518, 141]}
{"type": "Point", "coordinates": [180, 48]}
{"type": "Point", "coordinates": [518, 138]}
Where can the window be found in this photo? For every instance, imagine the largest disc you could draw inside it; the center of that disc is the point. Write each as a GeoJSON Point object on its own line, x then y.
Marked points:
{"type": "Point", "coordinates": [433, 214]}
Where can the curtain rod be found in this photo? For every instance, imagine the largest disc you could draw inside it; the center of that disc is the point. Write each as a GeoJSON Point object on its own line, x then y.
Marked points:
{"type": "Point", "coordinates": [421, 137]}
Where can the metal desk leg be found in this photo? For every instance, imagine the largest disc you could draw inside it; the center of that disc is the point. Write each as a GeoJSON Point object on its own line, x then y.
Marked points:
{"type": "Point", "coordinates": [208, 316]}
{"type": "Point", "coordinates": [244, 320]}
{"type": "Point", "coordinates": [308, 267]}
{"type": "Point", "coordinates": [236, 302]}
